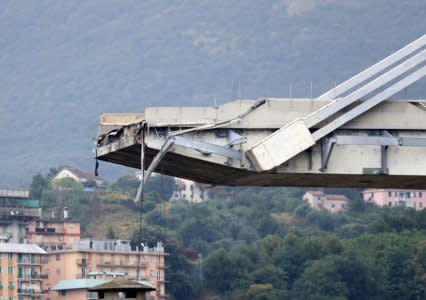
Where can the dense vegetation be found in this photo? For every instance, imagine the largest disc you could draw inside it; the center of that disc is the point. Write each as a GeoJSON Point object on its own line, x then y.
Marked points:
{"type": "Point", "coordinates": [64, 64]}
{"type": "Point", "coordinates": [262, 243]}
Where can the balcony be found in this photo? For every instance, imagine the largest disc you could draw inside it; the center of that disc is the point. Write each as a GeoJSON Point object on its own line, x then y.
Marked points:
{"type": "Point", "coordinates": [32, 277]}
{"type": "Point", "coordinates": [30, 292]}
{"type": "Point", "coordinates": [19, 212]}
{"type": "Point", "coordinates": [81, 262]}
{"type": "Point", "coordinates": [45, 230]}
{"type": "Point", "coordinates": [122, 264]}
{"type": "Point", "coordinates": [29, 262]}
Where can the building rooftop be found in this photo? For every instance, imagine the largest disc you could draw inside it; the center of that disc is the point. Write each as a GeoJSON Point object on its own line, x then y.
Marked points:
{"type": "Point", "coordinates": [58, 220]}
{"type": "Point", "coordinates": [316, 193]}
{"type": "Point", "coordinates": [337, 197]}
{"type": "Point", "coordinates": [14, 193]}
{"type": "Point", "coordinates": [74, 284]}
{"type": "Point", "coordinates": [124, 284]}
{"type": "Point", "coordinates": [82, 174]}
{"type": "Point", "coordinates": [21, 248]}
{"type": "Point", "coordinates": [391, 190]}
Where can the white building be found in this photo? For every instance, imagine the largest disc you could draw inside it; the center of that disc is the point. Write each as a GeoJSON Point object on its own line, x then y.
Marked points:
{"type": "Point", "coordinates": [331, 203]}
{"type": "Point", "coordinates": [189, 190]}
{"type": "Point", "coordinates": [78, 175]}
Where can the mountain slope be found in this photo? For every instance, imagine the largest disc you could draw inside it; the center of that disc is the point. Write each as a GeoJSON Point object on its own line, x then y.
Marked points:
{"type": "Point", "coordinates": [64, 63]}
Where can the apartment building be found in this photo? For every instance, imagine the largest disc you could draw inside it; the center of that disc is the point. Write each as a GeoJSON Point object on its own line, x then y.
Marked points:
{"type": "Point", "coordinates": [53, 233]}
{"type": "Point", "coordinates": [21, 277]}
{"type": "Point", "coordinates": [16, 210]}
{"type": "Point", "coordinates": [383, 197]}
{"type": "Point", "coordinates": [107, 259]}
{"type": "Point", "coordinates": [189, 190]}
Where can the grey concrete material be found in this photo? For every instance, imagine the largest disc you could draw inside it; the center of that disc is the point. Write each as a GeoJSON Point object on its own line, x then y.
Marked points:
{"type": "Point", "coordinates": [407, 166]}
{"type": "Point", "coordinates": [277, 112]}
{"type": "Point", "coordinates": [21, 248]}
{"type": "Point", "coordinates": [121, 119]}
{"type": "Point", "coordinates": [217, 174]}
{"type": "Point", "coordinates": [375, 69]}
{"type": "Point", "coordinates": [340, 103]}
{"type": "Point", "coordinates": [295, 136]}
{"type": "Point", "coordinates": [7, 193]}
{"type": "Point", "coordinates": [349, 165]}
{"type": "Point", "coordinates": [368, 104]}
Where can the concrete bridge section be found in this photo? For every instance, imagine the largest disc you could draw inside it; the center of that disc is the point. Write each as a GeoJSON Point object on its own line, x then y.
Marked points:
{"type": "Point", "coordinates": [354, 135]}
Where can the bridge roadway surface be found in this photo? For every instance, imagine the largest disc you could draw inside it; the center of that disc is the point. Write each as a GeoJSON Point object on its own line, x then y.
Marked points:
{"type": "Point", "coordinates": [384, 147]}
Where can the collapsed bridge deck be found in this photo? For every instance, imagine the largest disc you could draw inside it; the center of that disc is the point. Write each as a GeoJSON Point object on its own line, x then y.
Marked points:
{"type": "Point", "coordinates": [351, 136]}
{"type": "Point", "coordinates": [120, 135]}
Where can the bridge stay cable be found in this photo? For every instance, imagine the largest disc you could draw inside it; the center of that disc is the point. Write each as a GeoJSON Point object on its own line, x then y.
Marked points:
{"type": "Point", "coordinates": [393, 74]}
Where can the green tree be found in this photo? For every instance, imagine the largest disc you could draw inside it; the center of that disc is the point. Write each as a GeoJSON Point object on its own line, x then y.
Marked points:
{"type": "Point", "coordinates": [420, 270]}
{"type": "Point", "coordinates": [220, 271]}
{"type": "Point", "coordinates": [260, 291]}
{"type": "Point", "coordinates": [89, 183]}
{"type": "Point", "coordinates": [127, 183]}
{"type": "Point", "coordinates": [67, 183]}
{"type": "Point", "coordinates": [271, 274]}
{"type": "Point", "coordinates": [292, 259]}
{"type": "Point", "coordinates": [399, 275]}
{"type": "Point", "coordinates": [335, 277]}
{"type": "Point", "coordinates": [162, 185]}
{"type": "Point", "coordinates": [110, 233]}
{"type": "Point", "coordinates": [38, 183]}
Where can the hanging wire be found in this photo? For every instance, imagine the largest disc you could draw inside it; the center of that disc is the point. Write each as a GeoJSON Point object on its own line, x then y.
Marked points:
{"type": "Point", "coordinates": [139, 204]}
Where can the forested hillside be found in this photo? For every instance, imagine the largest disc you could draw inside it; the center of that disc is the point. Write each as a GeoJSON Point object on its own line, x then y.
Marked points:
{"type": "Point", "coordinates": [260, 243]}
{"type": "Point", "coordinates": [63, 63]}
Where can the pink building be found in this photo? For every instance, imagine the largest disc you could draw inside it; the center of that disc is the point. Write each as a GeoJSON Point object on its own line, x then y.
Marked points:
{"type": "Point", "coordinates": [384, 197]}
{"type": "Point", "coordinates": [53, 234]}
{"type": "Point", "coordinates": [106, 260]}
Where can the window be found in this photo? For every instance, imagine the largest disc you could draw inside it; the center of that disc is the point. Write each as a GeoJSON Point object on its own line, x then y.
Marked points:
{"type": "Point", "coordinates": [58, 257]}
{"type": "Point", "coordinates": [420, 194]}
{"type": "Point", "coordinates": [58, 272]}
{"type": "Point", "coordinates": [390, 203]}
{"type": "Point", "coordinates": [332, 205]}
{"type": "Point", "coordinates": [63, 293]}
{"type": "Point", "coordinates": [131, 294]}
{"type": "Point", "coordinates": [92, 295]}
{"type": "Point", "coordinates": [10, 270]}
{"type": "Point", "coordinates": [420, 204]}
{"type": "Point", "coordinates": [11, 285]}
{"type": "Point", "coordinates": [390, 194]}
{"type": "Point", "coordinates": [10, 255]}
